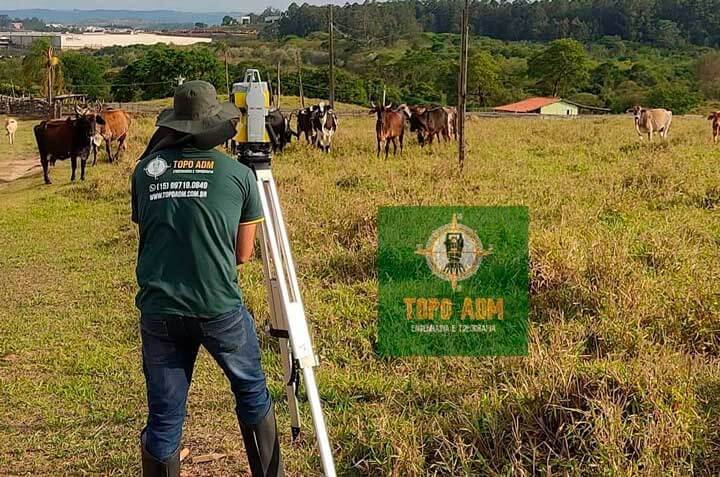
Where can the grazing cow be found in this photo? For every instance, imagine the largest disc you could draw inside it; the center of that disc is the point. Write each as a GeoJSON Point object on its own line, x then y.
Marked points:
{"type": "Point", "coordinates": [429, 124]}
{"type": "Point", "coordinates": [305, 124]}
{"type": "Point", "coordinates": [116, 127]}
{"type": "Point", "coordinates": [452, 122]}
{"type": "Point", "coordinates": [11, 126]}
{"type": "Point", "coordinates": [279, 129]}
{"type": "Point", "coordinates": [650, 121]}
{"type": "Point", "coordinates": [325, 123]}
{"type": "Point", "coordinates": [390, 126]}
{"type": "Point", "coordinates": [715, 117]}
{"type": "Point", "coordinates": [68, 138]}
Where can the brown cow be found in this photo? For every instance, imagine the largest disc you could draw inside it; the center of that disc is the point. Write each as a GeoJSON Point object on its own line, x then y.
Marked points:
{"type": "Point", "coordinates": [429, 124]}
{"type": "Point", "coordinates": [715, 117]}
{"type": "Point", "coordinates": [650, 121]}
{"type": "Point", "coordinates": [390, 126]}
{"type": "Point", "coordinates": [116, 127]}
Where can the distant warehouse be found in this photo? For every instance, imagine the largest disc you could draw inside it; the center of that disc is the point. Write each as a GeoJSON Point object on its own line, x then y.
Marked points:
{"type": "Point", "coordinates": [77, 41]}
{"type": "Point", "coordinates": [548, 106]}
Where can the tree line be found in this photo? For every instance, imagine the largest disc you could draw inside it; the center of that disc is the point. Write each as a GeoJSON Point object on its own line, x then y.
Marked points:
{"type": "Point", "coordinates": [665, 23]}
{"type": "Point", "coordinates": [610, 72]}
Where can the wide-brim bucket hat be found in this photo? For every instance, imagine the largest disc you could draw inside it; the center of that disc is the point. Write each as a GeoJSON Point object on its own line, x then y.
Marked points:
{"type": "Point", "coordinates": [196, 110]}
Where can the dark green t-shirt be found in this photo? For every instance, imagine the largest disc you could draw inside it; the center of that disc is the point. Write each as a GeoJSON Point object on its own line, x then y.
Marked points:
{"type": "Point", "coordinates": [188, 203]}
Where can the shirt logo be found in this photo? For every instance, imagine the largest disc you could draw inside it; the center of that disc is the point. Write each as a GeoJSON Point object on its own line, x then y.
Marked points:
{"type": "Point", "coordinates": [156, 167]}
{"type": "Point", "coordinates": [454, 252]}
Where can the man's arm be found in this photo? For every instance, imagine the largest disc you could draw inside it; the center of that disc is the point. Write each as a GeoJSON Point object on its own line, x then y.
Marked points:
{"type": "Point", "coordinates": [245, 241]}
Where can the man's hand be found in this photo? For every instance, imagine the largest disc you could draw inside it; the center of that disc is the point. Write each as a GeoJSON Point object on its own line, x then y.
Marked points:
{"type": "Point", "coordinates": [245, 242]}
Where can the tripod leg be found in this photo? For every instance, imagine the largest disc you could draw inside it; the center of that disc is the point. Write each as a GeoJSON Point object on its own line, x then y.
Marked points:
{"type": "Point", "coordinates": [287, 315]}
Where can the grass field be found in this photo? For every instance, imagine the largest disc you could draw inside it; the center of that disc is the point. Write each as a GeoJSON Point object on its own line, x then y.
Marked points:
{"type": "Point", "coordinates": [623, 375]}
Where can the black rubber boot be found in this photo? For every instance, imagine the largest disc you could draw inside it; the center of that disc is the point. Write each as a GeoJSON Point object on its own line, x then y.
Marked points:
{"type": "Point", "coordinates": [152, 467]}
{"type": "Point", "coordinates": [262, 447]}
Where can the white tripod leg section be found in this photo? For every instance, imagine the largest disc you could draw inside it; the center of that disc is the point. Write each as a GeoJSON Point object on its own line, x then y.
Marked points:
{"type": "Point", "coordinates": [278, 328]}
{"type": "Point", "coordinates": [288, 315]}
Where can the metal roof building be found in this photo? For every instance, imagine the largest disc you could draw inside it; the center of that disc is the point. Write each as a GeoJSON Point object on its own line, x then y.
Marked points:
{"type": "Point", "coordinates": [547, 106]}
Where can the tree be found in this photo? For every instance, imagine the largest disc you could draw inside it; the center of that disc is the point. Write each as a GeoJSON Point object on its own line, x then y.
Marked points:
{"type": "Point", "coordinates": [707, 70]}
{"type": "Point", "coordinates": [229, 21]}
{"type": "Point", "coordinates": [42, 68]}
{"type": "Point", "coordinates": [222, 48]}
{"type": "Point", "coordinates": [560, 67]}
{"type": "Point", "coordinates": [85, 74]}
{"type": "Point", "coordinates": [483, 77]}
{"type": "Point", "coordinates": [154, 75]}
{"type": "Point", "coordinates": [677, 97]}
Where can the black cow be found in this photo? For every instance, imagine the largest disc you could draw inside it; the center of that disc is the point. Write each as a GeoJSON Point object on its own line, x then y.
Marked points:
{"type": "Point", "coordinates": [279, 130]}
{"type": "Point", "coordinates": [429, 124]}
{"type": "Point", "coordinates": [305, 124]}
{"type": "Point", "coordinates": [68, 138]}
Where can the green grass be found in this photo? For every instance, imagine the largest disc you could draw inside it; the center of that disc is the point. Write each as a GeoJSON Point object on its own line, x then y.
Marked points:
{"type": "Point", "coordinates": [24, 141]}
{"type": "Point", "coordinates": [622, 377]}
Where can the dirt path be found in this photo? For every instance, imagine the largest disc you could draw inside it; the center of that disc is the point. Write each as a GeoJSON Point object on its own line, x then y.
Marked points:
{"type": "Point", "coordinates": [18, 168]}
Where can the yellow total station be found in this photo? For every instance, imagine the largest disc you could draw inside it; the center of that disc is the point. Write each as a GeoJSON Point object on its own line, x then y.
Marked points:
{"type": "Point", "coordinates": [252, 97]}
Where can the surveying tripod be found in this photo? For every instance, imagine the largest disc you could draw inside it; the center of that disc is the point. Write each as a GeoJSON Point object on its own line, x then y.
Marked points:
{"type": "Point", "coordinates": [287, 314]}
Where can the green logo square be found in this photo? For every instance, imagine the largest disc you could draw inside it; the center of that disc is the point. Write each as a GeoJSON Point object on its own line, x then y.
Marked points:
{"type": "Point", "coordinates": [454, 281]}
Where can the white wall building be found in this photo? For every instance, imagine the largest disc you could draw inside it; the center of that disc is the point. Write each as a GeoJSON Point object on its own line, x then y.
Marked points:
{"type": "Point", "coordinates": [76, 41]}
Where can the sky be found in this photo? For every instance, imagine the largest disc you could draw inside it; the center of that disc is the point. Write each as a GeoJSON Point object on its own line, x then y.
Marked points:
{"type": "Point", "coordinates": [180, 5]}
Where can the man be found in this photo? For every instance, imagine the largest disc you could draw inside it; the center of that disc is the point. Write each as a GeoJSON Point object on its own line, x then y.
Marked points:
{"type": "Point", "coordinates": [197, 210]}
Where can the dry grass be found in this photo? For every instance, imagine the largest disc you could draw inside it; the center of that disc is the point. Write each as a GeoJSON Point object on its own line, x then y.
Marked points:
{"type": "Point", "coordinates": [622, 377]}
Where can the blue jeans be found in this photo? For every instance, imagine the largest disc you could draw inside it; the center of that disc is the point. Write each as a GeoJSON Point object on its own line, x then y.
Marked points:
{"type": "Point", "coordinates": [169, 347]}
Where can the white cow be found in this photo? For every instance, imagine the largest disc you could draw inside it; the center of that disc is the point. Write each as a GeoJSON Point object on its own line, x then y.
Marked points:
{"type": "Point", "coordinates": [11, 126]}
{"type": "Point", "coordinates": [650, 121]}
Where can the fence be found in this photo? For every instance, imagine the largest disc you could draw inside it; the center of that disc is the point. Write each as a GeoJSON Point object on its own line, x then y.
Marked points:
{"type": "Point", "coordinates": [32, 107]}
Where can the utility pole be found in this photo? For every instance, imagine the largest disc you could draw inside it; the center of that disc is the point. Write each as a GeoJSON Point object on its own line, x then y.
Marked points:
{"type": "Point", "coordinates": [462, 85]}
{"type": "Point", "coordinates": [278, 88]}
{"type": "Point", "coordinates": [302, 93]}
{"type": "Point", "coordinates": [332, 59]}
{"type": "Point", "coordinates": [384, 95]}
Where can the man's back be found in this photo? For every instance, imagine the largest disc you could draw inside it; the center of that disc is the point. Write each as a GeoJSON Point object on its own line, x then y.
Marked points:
{"type": "Point", "coordinates": [188, 203]}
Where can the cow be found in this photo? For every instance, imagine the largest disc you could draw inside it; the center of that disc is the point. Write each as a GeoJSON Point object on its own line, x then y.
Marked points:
{"type": "Point", "coordinates": [452, 122]}
{"type": "Point", "coordinates": [279, 130]}
{"type": "Point", "coordinates": [429, 124]}
{"type": "Point", "coordinates": [11, 126]}
{"type": "Point", "coordinates": [325, 123]}
{"type": "Point", "coordinates": [715, 117]}
{"type": "Point", "coordinates": [115, 129]}
{"type": "Point", "coordinates": [67, 138]}
{"type": "Point", "coordinates": [305, 124]}
{"type": "Point", "coordinates": [390, 126]}
{"type": "Point", "coordinates": [650, 121]}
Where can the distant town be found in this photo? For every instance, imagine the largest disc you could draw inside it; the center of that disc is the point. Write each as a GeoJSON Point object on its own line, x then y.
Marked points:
{"type": "Point", "coordinates": [18, 33]}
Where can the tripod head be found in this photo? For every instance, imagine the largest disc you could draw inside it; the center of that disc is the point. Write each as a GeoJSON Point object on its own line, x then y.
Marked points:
{"type": "Point", "coordinates": [252, 97]}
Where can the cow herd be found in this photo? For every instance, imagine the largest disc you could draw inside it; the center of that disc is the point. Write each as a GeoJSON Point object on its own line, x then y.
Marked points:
{"type": "Point", "coordinates": [317, 123]}
{"type": "Point", "coordinates": [76, 136]}
{"type": "Point", "coordinates": [84, 132]}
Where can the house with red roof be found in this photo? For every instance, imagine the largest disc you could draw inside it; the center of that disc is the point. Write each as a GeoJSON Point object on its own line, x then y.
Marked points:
{"type": "Point", "coordinates": [547, 106]}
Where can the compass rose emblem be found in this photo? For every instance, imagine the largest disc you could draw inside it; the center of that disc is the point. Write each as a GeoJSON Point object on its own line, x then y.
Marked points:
{"type": "Point", "coordinates": [454, 252]}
